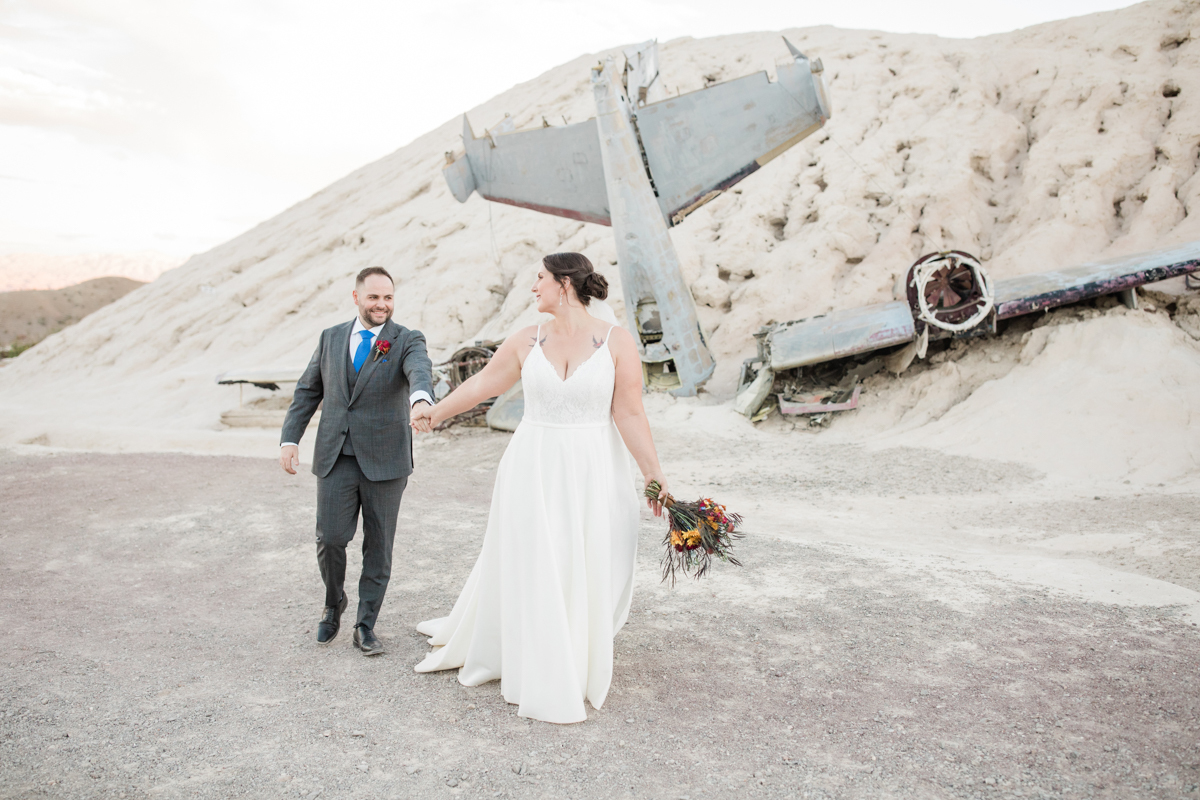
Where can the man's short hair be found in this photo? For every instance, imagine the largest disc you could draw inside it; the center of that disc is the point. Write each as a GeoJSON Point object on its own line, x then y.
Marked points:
{"type": "Point", "coordinates": [368, 272]}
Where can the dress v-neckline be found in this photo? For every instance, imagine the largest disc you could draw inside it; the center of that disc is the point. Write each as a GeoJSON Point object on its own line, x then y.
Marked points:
{"type": "Point", "coordinates": [550, 364]}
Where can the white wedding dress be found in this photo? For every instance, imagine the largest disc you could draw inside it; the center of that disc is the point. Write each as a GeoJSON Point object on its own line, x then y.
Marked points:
{"type": "Point", "coordinates": [553, 583]}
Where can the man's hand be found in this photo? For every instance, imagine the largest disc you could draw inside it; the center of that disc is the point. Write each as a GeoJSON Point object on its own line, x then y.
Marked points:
{"type": "Point", "coordinates": [421, 413]}
{"type": "Point", "coordinates": [289, 458]}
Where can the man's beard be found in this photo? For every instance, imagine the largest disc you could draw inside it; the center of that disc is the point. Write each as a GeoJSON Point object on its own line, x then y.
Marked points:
{"type": "Point", "coordinates": [365, 320]}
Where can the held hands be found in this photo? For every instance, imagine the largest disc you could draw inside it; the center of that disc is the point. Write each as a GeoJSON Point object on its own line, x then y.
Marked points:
{"type": "Point", "coordinates": [422, 417]}
{"type": "Point", "coordinates": [656, 506]}
{"type": "Point", "coordinates": [289, 458]}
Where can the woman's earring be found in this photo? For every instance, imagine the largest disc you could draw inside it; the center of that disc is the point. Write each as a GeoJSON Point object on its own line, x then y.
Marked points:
{"type": "Point", "coordinates": [561, 295]}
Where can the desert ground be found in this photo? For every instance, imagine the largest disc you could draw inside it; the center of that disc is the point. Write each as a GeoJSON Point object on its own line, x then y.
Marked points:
{"type": "Point", "coordinates": [159, 618]}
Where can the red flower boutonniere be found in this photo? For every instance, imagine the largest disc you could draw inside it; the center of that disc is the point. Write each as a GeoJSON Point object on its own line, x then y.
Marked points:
{"type": "Point", "coordinates": [382, 346]}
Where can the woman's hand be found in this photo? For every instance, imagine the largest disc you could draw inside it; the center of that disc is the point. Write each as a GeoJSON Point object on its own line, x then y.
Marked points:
{"type": "Point", "coordinates": [422, 414]}
{"type": "Point", "coordinates": [656, 506]}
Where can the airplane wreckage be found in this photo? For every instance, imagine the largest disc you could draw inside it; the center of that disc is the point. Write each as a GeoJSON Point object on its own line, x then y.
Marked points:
{"type": "Point", "coordinates": [641, 166]}
{"type": "Point", "coordinates": [662, 159]}
{"type": "Point", "coordinates": [947, 295]}
{"type": "Point", "coordinates": [646, 161]}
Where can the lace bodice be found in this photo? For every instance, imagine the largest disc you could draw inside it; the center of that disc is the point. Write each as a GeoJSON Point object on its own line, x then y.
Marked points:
{"type": "Point", "coordinates": [583, 399]}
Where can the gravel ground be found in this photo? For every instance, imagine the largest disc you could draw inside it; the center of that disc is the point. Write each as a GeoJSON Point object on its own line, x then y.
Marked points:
{"type": "Point", "coordinates": [158, 614]}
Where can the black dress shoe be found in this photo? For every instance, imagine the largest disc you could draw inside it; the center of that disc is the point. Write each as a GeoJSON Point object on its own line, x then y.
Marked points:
{"type": "Point", "coordinates": [365, 640]}
{"type": "Point", "coordinates": [331, 623]}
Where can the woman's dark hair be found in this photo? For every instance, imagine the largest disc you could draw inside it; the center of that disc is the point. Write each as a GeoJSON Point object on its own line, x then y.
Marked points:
{"type": "Point", "coordinates": [576, 268]}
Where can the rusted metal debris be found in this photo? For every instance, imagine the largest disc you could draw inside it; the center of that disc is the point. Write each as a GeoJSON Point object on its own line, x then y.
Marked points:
{"type": "Point", "coordinates": [820, 403]}
{"type": "Point", "coordinates": [948, 295]}
{"type": "Point", "coordinates": [455, 371]}
{"type": "Point", "coordinates": [468, 361]}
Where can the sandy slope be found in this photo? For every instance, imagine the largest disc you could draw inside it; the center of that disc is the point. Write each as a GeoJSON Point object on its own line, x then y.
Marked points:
{"type": "Point", "coordinates": [1037, 148]}
{"type": "Point", "coordinates": [29, 316]}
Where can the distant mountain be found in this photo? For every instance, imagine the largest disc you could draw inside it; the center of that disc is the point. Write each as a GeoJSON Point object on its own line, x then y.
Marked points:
{"type": "Point", "coordinates": [22, 271]}
{"type": "Point", "coordinates": [30, 316]}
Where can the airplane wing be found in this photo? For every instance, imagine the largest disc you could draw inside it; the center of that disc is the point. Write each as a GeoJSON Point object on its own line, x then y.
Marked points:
{"type": "Point", "coordinates": [555, 170]}
{"type": "Point", "coordinates": [703, 142]}
{"type": "Point", "coordinates": [860, 330]}
{"type": "Point", "coordinates": [695, 145]}
{"type": "Point", "coordinates": [1044, 290]}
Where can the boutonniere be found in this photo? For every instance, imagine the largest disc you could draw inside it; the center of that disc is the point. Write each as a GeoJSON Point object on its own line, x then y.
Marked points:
{"type": "Point", "coordinates": [381, 349]}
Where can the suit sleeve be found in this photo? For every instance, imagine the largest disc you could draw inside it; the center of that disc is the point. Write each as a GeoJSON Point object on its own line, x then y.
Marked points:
{"type": "Point", "coordinates": [417, 366]}
{"type": "Point", "coordinates": [310, 390]}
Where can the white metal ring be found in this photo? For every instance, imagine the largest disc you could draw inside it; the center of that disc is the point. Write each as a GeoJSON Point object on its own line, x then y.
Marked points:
{"type": "Point", "coordinates": [925, 271]}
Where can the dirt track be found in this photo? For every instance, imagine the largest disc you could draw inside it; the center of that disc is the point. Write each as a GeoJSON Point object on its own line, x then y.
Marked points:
{"type": "Point", "coordinates": [157, 616]}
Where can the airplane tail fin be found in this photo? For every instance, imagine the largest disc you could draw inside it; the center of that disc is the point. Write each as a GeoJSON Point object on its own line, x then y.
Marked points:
{"type": "Point", "coordinates": [458, 170]}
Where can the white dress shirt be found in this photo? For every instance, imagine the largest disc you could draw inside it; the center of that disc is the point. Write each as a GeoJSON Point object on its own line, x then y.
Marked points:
{"type": "Point", "coordinates": [355, 340]}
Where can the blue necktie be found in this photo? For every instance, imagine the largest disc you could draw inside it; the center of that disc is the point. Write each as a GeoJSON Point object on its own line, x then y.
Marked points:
{"type": "Point", "coordinates": [364, 349]}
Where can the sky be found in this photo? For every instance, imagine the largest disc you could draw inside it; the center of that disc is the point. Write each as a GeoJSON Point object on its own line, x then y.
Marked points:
{"type": "Point", "coordinates": [175, 125]}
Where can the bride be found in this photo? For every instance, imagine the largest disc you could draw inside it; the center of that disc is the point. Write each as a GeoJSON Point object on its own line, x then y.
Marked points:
{"type": "Point", "coordinates": [554, 580]}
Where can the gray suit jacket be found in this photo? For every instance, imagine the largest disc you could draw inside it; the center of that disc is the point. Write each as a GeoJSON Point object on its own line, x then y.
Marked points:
{"type": "Point", "coordinates": [375, 413]}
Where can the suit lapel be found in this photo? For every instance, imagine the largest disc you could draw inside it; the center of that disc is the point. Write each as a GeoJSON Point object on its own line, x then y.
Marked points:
{"type": "Point", "coordinates": [389, 333]}
{"type": "Point", "coordinates": [341, 356]}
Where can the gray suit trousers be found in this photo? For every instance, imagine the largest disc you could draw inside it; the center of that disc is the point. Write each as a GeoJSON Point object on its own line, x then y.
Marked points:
{"type": "Point", "coordinates": [340, 496]}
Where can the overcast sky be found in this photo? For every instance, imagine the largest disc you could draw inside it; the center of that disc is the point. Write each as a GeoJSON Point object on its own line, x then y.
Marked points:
{"type": "Point", "coordinates": [173, 125]}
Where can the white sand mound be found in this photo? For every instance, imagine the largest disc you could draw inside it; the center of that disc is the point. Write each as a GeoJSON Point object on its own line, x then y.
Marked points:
{"type": "Point", "coordinates": [1034, 149]}
{"type": "Point", "coordinates": [1104, 399]}
{"type": "Point", "coordinates": [1090, 398]}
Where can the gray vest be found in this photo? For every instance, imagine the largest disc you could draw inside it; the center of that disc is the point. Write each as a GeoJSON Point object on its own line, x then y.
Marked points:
{"type": "Point", "coordinates": [351, 379]}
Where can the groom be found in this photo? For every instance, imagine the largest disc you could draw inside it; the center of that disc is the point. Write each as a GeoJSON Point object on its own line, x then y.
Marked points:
{"type": "Point", "coordinates": [368, 373]}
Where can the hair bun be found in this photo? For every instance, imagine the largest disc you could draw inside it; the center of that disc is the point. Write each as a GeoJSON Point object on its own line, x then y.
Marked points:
{"type": "Point", "coordinates": [595, 285]}
{"type": "Point", "coordinates": [575, 268]}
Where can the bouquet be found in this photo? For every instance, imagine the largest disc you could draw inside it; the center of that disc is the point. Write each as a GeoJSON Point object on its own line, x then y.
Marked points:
{"type": "Point", "coordinates": [696, 534]}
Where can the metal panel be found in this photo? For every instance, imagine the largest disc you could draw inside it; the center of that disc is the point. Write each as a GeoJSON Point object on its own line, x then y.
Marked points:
{"type": "Point", "coordinates": [641, 73]}
{"type": "Point", "coordinates": [839, 334]}
{"type": "Point", "coordinates": [706, 141]}
{"type": "Point", "coordinates": [1042, 290]}
{"type": "Point", "coordinates": [508, 410]}
{"type": "Point", "coordinates": [460, 178]}
{"type": "Point", "coordinates": [555, 170]}
{"type": "Point", "coordinates": [261, 375]}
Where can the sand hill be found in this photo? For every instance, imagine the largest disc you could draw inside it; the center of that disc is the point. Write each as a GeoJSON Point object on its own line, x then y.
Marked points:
{"type": "Point", "coordinates": [1033, 149]}
{"type": "Point", "coordinates": [30, 316]}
